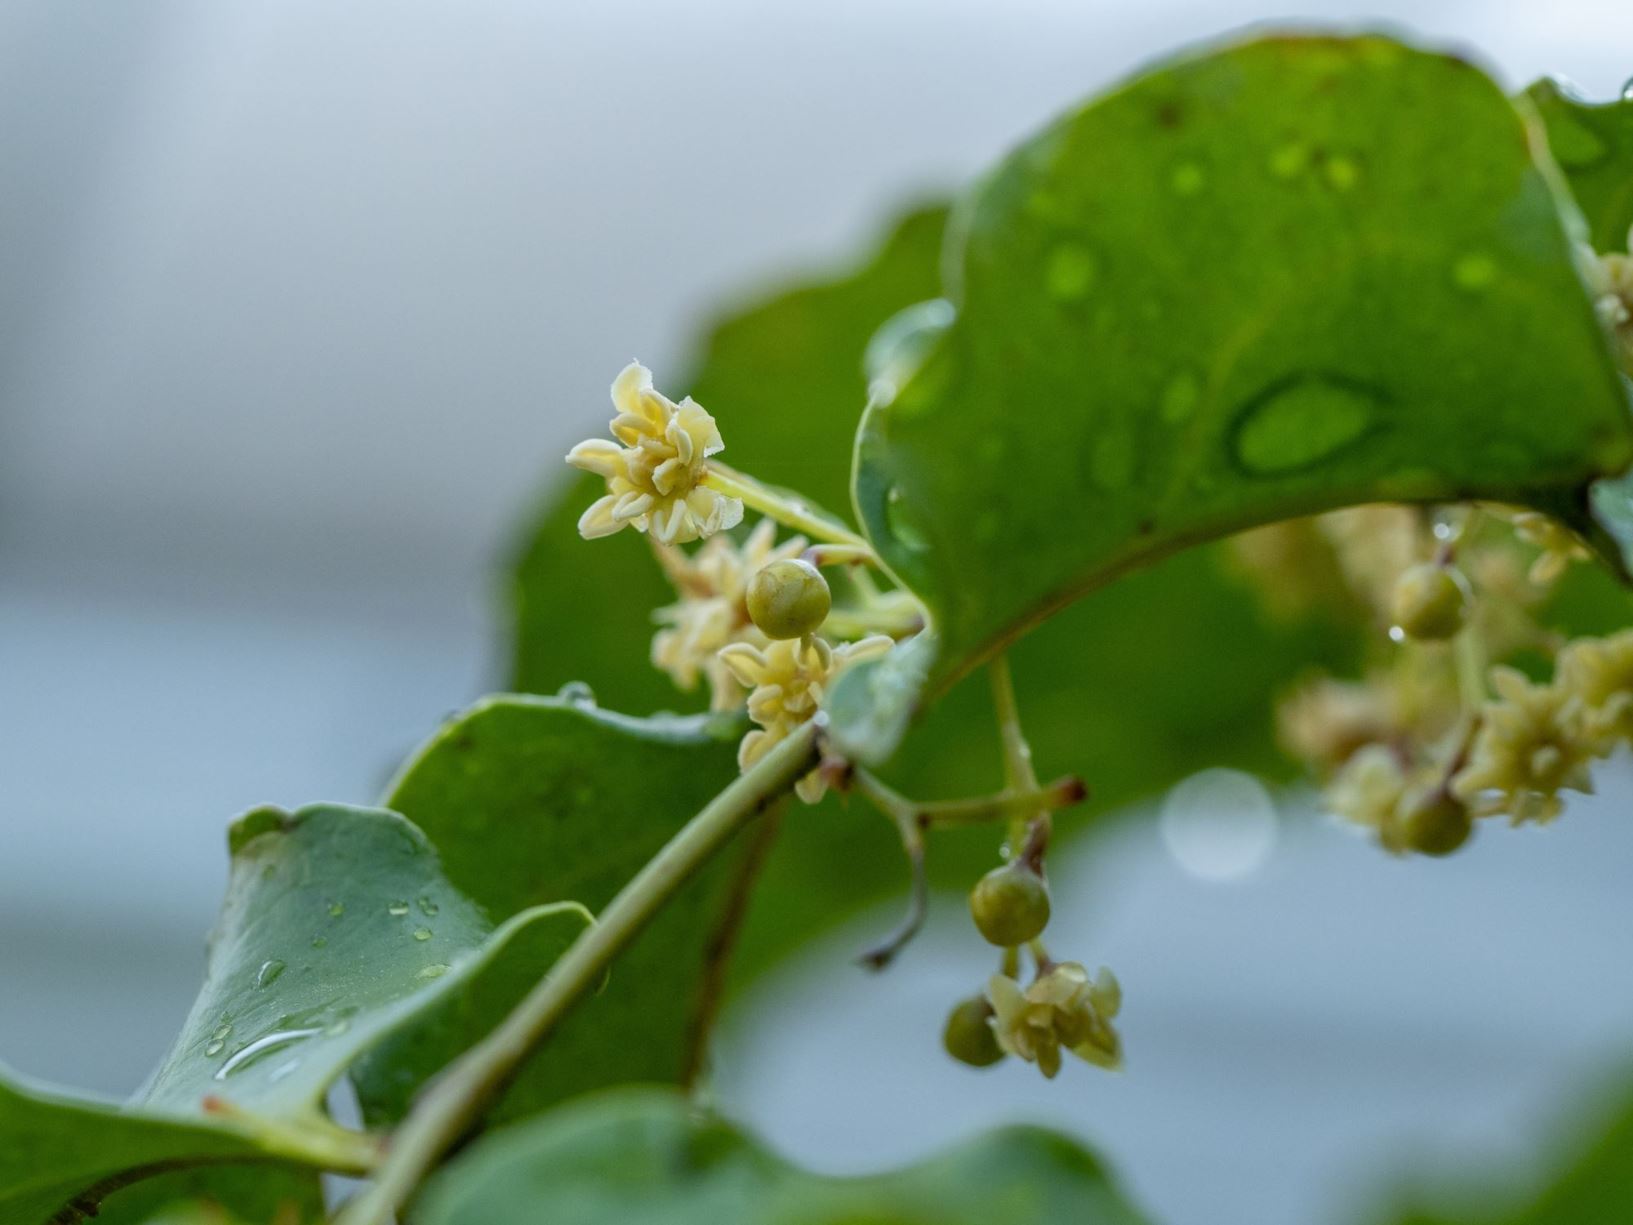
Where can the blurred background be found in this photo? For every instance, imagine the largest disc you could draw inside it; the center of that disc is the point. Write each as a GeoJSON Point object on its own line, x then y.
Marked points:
{"type": "Point", "coordinates": [298, 304]}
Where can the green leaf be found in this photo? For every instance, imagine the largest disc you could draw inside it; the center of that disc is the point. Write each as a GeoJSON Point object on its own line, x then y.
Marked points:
{"type": "Point", "coordinates": [1288, 276]}
{"type": "Point", "coordinates": [532, 799]}
{"type": "Point", "coordinates": [644, 1158]}
{"type": "Point", "coordinates": [56, 1148]}
{"type": "Point", "coordinates": [1592, 142]}
{"type": "Point", "coordinates": [338, 927]}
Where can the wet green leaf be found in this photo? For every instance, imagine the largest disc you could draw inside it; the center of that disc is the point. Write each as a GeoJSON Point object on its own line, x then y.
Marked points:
{"type": "Point", "coordinates": [646, 1158]}
{"type": "Point", "coordinates": [532, 799]}
{"type": "Point", "coordinates": [338, 927]}
{"type": "Point", "coordinates": [1286, 276]}
{"type": "Point", "coordinates": [1592, 143]}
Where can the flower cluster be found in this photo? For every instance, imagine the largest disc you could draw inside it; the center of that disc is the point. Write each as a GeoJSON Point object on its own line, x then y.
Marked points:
{"type": "Point", "coordinates": [1610, 280]}
{"type": "Point", "coordinates": [656, 467]}
{"type": "Point", "coordinates": [751, 615]}
{"type": "Point", "coordinates": [712, 611]}
{"type": "Point", "coordinates": [1062, 1009]}
{"type": "Point", "coordinates": [788, 680]}
{"type": "Point", "coordinates": [1439, 731]}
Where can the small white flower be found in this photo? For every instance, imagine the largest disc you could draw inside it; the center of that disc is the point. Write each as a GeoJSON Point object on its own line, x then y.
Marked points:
{"type": "Point", "coordinates": [655, 468]}
{"type": "Point", "coordinates": [1531, 746]}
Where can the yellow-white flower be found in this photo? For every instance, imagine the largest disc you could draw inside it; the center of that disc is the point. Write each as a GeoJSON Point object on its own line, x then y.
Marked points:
{"type": "Point", "coordinates": [1531, 746]}
{"type": "Point", "coordinates": [1063, 1009]}
{"type": "Point", "coordinates": [655, 468]}
{"type": "Point", "coordinates": [787, 681]}
{"type": "Point", "coordinates": [1557, 546]}
{"type": "Point", "coordinates": [1598, 674]}
{"type": "Point", "coordinates": [1368, 791]}
{"type": "Point", "coordinates": [1610, 281]}
{"type": "Point", "coordinates": [711, 612]}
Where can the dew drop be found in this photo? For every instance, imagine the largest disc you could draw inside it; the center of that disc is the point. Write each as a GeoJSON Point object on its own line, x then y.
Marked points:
{"type": "Point", "coordinates": [1473, 272]}
{"type": "Point", "coordinates": [1302, 421]}
{"type": "Point", "coordinates": [899, 518]}
{"type": "Point", "coordinates": [1187, 179]}
{"type": "Point", "coordinates": [422, 933]}
{"type": "Point", "coordinates": [1574, 145]}
{"type": "Point", "coordinates": [1069, 271]}
{"type": "Point", "coordinates": [575, 693]}
{"type": "Point", "coordinates": [1289, 161]}
{"type": "Point", "coordinates": [320, 941]}
{"type": "Point", "coordinates": [1397, 634]}
{"type": "Point", "coordinates": [268, 973]}
{"type": "Point", "coordinates": [1342, 173]}
{"type": "Point", "coordinates": [427, 907]}
{"type": "Point", "coordinates": [336, 909]}
{"type": "Point", "coordinates": [337, 1027]}
{"type": "Point", "coordinates": [434, 970]}
{"type": "Point", "coordinates": [261, 1046]}
{"type": "Point", "coordinates": [215, 1047]}
{"type": "Point", "coordinates": [1179, 398]}
{"type": "Point", "coordinates": [397, 909]}
{"type": "Point", "coordinates": [222, 1030]}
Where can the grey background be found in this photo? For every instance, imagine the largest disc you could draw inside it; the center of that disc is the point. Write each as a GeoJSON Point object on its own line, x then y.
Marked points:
{"type": "Point", "coordinates": [297, 302]}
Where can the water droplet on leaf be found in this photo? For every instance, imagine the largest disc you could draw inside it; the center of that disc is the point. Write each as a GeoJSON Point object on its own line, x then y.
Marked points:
{"type": "Point", "coordinates": [336, 909]}
{"type": "Point", "coordinates": [899, 516]}
{"type": "Point", "coordinates": [215, 1047]}
{"type": "Point", "coordinates": [268, 973]}
{"type": "Point", "coordinates": [422, 933]}
{"type": "Point", "coordinates": [1187, 179]}
{"type": "Point", "coordinates": [427, 907]}
{"type": "Point", "coordinates": [434, 970]}
{"type": "Point", "coordinates": [397, 909]}
{"type": "Point", "coordinates": [1474, 271]}
{"type": "Point", "coordinates": [1069, 271]}
{"type": "Point", "coordinates": [1302, 421]}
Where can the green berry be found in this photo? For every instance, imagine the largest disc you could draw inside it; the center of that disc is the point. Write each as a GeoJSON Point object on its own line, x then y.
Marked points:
{"type": "Point", "coordinates": [1434, 822]}
{"type": "Point", "coordinates": [788, 599]}
{"type": "Point", "coordinates": [1010, 905]}
{"type": "Point", "coordinates": [1430, 602]}
{"type": "Point", "coordinates": [968, 1035]}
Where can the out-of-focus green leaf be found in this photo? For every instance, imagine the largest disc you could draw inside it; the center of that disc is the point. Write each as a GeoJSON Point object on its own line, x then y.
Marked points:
{"type": "Point", "coordinates": [645, 1158]}
{"type": "Point", "coordinates": [218, 1195]}
{"type": "Point", "coordinates": [1592, 142]}
{"type": "Point", "coordinates": [535, 799]}
{"type": "Point", "coordinates": [1592, 1185]}
{"type": "Point", "coordinates": [1290, 275]}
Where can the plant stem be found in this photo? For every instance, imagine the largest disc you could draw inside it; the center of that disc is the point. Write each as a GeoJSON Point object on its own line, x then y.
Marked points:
{"type": "Point", "coordinates": [1018, 770]}
{"type": "Point", "coordinates": [455, 1099]}
{"type": "Point", "coordinates": [755, 496]}
{"type": "Point", "coordinates": [978, 810]}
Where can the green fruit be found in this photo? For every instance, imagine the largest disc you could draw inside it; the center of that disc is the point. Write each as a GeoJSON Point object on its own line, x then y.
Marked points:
{"type": "Point", "coordinates": [1010, 905]}
{"type": "Point", "coordinates": [788, 599]}
{"type": "Point", "coordinates": [1434, 822]}
{"type": "Point", "coordinates": [968, 1035]}
{"type": "Point", "coordinates": [1430, 602]}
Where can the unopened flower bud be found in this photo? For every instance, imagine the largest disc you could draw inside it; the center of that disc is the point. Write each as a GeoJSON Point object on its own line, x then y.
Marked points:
{"type": "Point", "coordinates": [1010, 905]}
{"type": "Point", "coordinates": [968, 1035]}
{"type": "Point", "coordinates": [1433, 822]}
{"type": "Point", "coordinates": [1430, 602]}
{"type": "Point", "coordinates": [788, 599]}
